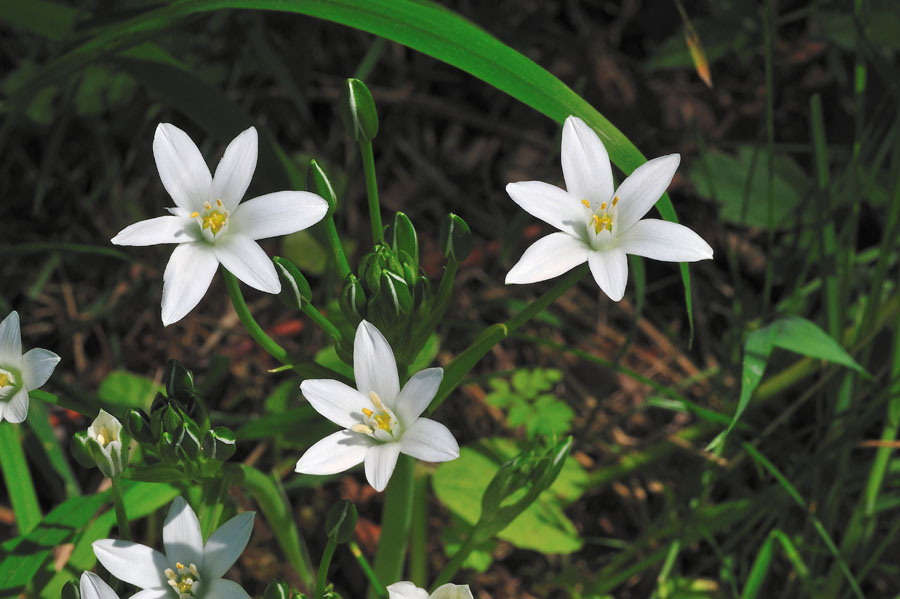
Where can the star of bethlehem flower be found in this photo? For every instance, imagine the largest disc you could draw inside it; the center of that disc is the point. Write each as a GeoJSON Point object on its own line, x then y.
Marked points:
{"type": "Point", "coordinates": [380, 419]}
{"type": "Point", "coordinates": [93, 587]}
{"type": "Point", "coordinates": [407, 590]}
{"type": "Point", "coordinates": [598, 225]}
{"type": "Point", "coordinates": [209, 223]}
{"type": "Point", "coordinates": [106, 432]}
{"type": "Point", "coordinates": [189, 569]}
{"type": "Point", "coordinates": [20, 373]}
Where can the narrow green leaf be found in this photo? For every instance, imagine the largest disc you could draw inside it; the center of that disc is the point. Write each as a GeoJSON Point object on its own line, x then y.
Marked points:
{"type": "Point", "coordinates": [17, 477]}
{"type": "Point", "coordinates": [39, 424]}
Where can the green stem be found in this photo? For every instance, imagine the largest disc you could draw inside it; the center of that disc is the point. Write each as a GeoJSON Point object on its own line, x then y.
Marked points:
{"type": "Point", "coordinates": [17, 477]}
{"type": "Point", "coordinates": [368, 159]}
{"type": "Point", "coordinates": [243, 312]}
{"type": "Point", "coordinates": [322, 578]}
{"type": "Point", "coordinates": [321, 320]}
{"type": "Point", "coordinates": [460, 366]}
{"type": "Point", "coordinates": [418, 564]}
{"type": "Point", "coordinates": [213, 504]}
{"type": "Point", "coordinates": [377, 587]}
{"type": "Point", "coordinates": [334, 240]}
{"type": "Point", "coordinates": [396, 519]}
{"type": "Point", "coordinates": [456, 561]}
{"type": "Point", "coordinates": [121, 515]}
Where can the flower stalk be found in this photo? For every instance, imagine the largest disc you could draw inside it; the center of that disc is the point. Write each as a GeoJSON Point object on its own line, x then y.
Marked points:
{"type": "Point", "coordinates": [374, 583]}
{"type": "Point", "coordinates": [368, 160]}
{"type": "Point", "coordinates": [243, 312]}
{"type": "Point", "coordinates": [119, 504]}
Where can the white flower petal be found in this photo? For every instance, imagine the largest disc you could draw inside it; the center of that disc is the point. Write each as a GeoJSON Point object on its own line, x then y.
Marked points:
{"type": "Point", "coordinates": [380, 462]}
{"type": "Point", "coordinates": [278, 213]}
{"type": "Point", "coordinates": [93, 587]}
{"type": "Point", "coordinates": [187, 277]}
{"type": "Point", "coordinates": [15, 409]}
{"type": "Point", "coordinates": [663, 240]}
{"type": "Point", "coordinates": [452, 591]}
{"type": "Point", "coordinates": [235, 170]}
{"type": "Point", "coordinates": [10, 340]}
{"type": "Point", "coordinates": [406, 590]}
{"type": "Point", "coordinates": [226, 544]}
{"type": "Point", "coordinates": [548, 257]}
{"type": "Point", "coordinates": [551, 204]}
{"type": "Point", "coordinates": [181, 535]}
{"type": "Point", "coordinates": [247, 261]}
{"type": "Point", "coordinates": [429, 441]}
{"type": "Point", "coordinates": [610, 270]}
{"type": "Point", "coordinates": [165, 593]}
{"type": "Point", "coordinates": [416, 394]}
{"type": "Point", "coordinates": [585, 163]}
{"type": "Point", "coordinates": [222, 589]}
{"type": "Point", "coordinates": [641, 190]}
{"type": "Point", "coordinates": [374, 366]}
{"type": "Point", "coordinates": [132, 562]}
{"type": "Point", "coordinates": [335, 453]}
{"type": "Point", "coordinates": [162, 229]}
{"type": "Point", "coordinates": [37, 366]}
{"type": "Point", "coordinates": [181, 167]}
{"type": "Point", "coordinates": [340, 403]}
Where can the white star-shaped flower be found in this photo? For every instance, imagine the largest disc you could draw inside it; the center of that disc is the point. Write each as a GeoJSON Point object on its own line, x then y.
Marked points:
{"type": "Point", "coordinates": [597, 224]}
{"type": "Point", "coordinates": [380, 419]}
{"type": "Point", "coordinates": [20, 373]}
{"type": "Point", "coordinates": [209, 223]}
{"type": "Point", "coordinates": [189, 569]}
{"type": "Point", "coordinates": [407, 590]}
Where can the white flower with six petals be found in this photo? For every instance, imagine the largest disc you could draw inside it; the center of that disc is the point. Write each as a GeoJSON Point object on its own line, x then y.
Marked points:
{"type": "Point", "coordinates": [209, 223]}
{"type": "Point", "coordinates": [380, 419]}
{"type": "Point", "coordinates": [407, 590]}
{"type": "Point", "coordinates": [189, 569]}
{"type": "Point", "coordinates": [20, 373]}
{"type": "Point", "coordinates": [598, 225]}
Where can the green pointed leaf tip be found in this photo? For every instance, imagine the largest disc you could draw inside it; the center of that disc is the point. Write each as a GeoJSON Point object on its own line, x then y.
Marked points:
{"type": "Point", "coordinates": [358, 111]}
{"type": "Point", "coordinates": [340, 521]}
{"type": "Point", "coordinates": [179, 380]}
{"type": "Point", "coordinates": [455, 238]}
{"type": "Point", "coordinates": [277, 590]}
{"type": "Point", "coordinates": [405, 239]}
{"type": "Point", "coordinates": [295, 289]}
{"type": "Point", "coordinates": [319, 183]}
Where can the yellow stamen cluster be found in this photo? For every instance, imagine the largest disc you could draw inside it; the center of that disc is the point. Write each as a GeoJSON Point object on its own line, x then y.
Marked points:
{"type": "Point", "coordinates": [213, 220]}
{"type": "Point", "coordinates": [104, 436]}
{"type": "Point", "coordinates": [184, 580]}
{"type": "Point", "coordinates": [602, 220]}
{"type": "Point", "coordinates": [5, 379]}
{"type": "Point", "coordinates": [382, 417]}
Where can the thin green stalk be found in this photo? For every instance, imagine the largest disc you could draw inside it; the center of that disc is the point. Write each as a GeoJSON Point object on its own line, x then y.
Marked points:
{"type": "Point", "coordinates": [368, 159]}
{"type": "Point", "coordinates": [460, 366]}
{"type": "Point", "coordinates": [396, 519]}
{"type": "Point", "coordinates": [213, 504]}
{"type": "Point", "coordinates": [376, 585]}
{"type": "Point", "coordinates": [17, 477]}
{"type": "Point", "coordinates": [243, 312]}
{"type": "Point", "coordinates": [121, 515]}
{"type": "Point", "coordinates": [455, 563]}
{"type": "Point", "coordinates": [769, 37]}
{"type": "Point", "coordinates": [337, 250]}
{"type": "Point", "coordinates": [322, 578]}
{"type": "Point", "coordinates": [418, 564]}
{"type": "Point", "coordinates": [321, 320]}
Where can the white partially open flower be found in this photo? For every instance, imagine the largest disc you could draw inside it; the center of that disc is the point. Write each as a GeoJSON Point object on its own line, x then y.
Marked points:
{"type": "Point", "coordinates": [20, 373]}
{"type": "Point", "coordinates": [189, 568]}
{"type": "Point", "coordinates": [380, 419]}
{"type": "Point", "coordinates": [93, 587]}
{"type": "Point", "coordinates": [407, 590]}
{"type": "Point", "coordinates": [111, 455]}
{"type": "Point", "coordinates": [208, 223]}
{"type": "Point", "coordinates": [598, 225]}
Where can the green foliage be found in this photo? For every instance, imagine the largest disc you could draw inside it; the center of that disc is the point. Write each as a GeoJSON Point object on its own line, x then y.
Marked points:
{"type": "Point", "coordinates": [529, 403]}
{"type": "Point", "coordinates": [128, 390]}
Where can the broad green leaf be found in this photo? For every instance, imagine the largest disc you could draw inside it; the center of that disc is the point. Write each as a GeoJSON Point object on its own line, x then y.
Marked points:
{"type": "Point", "coordinates": [543, 526]}
{"type": "Point", "coordinates": [127, 390]}
{"type": "Point", "coordinates": [49, 19]}
{"type": "Point", "coordinates": [17, 478]}
{"type": "Point", "coordinates": [792, 333]}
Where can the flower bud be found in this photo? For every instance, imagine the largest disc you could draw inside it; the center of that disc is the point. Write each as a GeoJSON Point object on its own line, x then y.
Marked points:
{"type": "Point", "coordinates": [179, 381]}
{"type": "Point", "coordinates": [394, 294]}
{"type": "Point", "coordinates": [219, 443]}
{"type": "Point", "coordinates": [405, 239]}
{"type": "Point", "coordinates": [138, 426]}
{"type": "Point", "coordinates": [353, 300]}
{"type": "Point", "coordinates": [358, 111]}
{"type": "Point", "coordinates": [294, 287]}
{"type": "Point", "coordinates": [107, 446]}
{"type": "Point", "coordinates": [277, 590]}
{"type": "Point", "coordinates": [455, 238]}
{"type": "Point", "coordinates": [340, 521]}
{"type": "Point", "coordinates": [70, 591]}
{"type": "Point", "coordinates": [318, 183]}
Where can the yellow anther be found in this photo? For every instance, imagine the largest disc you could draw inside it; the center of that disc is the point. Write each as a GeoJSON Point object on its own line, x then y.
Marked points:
{"type": "Point", "coordinates": [615, 200]}
{"type": "Point", "coordinates": [179, 565]}
{"type": "Point", "coordinates": [361, 428]}
{"type": "Point", "coordinates": [376, 400]}
{"type": "Point", "coordinates": [367, 412]}
{"type": "Point", "coordinates": [383, 420]}
{"type": "Point", "coordinates": [195, 214]}
{"type": "Point", "coordinates": [586, 203]}
{"type": "Point", "coordinates": [207, 205]}
{"type": "Point", "coordinates": [170, 573]}
{"type": "Point", "coordinates": [603, 206]}
{"type": "Point", "coordinates": [219, 203]}
{"type": "Point", "coordinates": [4, 379]}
